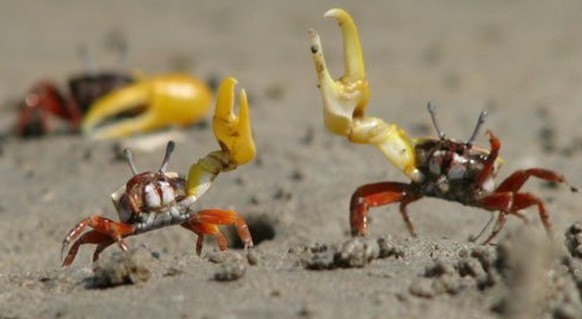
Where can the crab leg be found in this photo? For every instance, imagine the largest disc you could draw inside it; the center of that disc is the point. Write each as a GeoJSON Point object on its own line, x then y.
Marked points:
{"type": "Point", "coordinates": [226, 217]}
{"type": "Point", "coordinates": [201, 229]}
{"type": "Point", "coordinates": [345, 101]}
{"type": "Point", "coordinates": [109, 229]}
{"type": "Point", "coordinates": [516, 180]}
{"type": "Point", "coordinates": [205, 223]}
{"type": "Point", "coordinates": [511, 203]}
{"type": "Point", "coordinates": [172, 99]}
{"type": "Point", "coordinates": [91, 237]}
{"type": "Point", "coordinates": [234, 136]}
{"type": "Point", "coordinates": [380, 194]}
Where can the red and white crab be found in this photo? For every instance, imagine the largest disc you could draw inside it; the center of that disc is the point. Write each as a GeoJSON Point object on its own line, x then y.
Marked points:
{"type": "Point", "coordinates": [152, 200]}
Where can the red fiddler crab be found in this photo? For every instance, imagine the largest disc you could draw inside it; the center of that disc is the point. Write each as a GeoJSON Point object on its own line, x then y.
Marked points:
{"type": "Point", "coordinates": [152, 200]}
{"type": "Point", "coordinates": [437, 167]}
{"type": "Point", "coordinates": [110, 105]}
{"type": "Point", "coordinates": [45, 100]}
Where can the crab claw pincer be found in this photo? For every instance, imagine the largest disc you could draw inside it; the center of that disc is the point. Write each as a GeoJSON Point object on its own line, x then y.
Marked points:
{"type": "Point", "coordinates": [345, 100]}
{"type": "Point", "coordinates": [347, 97]}
{"type": "Point", "coordinates": [166, 100]}
{"type": "Point", "coordinates": [233, 133]}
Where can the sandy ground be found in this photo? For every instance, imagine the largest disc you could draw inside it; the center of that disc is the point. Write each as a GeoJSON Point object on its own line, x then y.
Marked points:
{"type": "Point", "coordinates": [519, 60]}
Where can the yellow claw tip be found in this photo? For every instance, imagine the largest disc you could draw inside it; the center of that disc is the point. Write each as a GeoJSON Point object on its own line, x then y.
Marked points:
{"type": "Point", "coordinates": [242, 96]}
{"type": "Point", "coordinates": [225, 99]}
{"type": "Point", "coordinates": [229, 80]}
{"type": "Point", "coordinates": [337, 13]}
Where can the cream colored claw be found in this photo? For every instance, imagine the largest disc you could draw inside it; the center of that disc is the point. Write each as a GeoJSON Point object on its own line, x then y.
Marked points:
{"type": "Point", "coordinates": [345, 100]}
{"type": "Point", "coordinates": [347, 97]}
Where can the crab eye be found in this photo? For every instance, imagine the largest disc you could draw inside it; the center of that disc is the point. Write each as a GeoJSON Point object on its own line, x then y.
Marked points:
{"type": "Point", "coordinates": [151, 197]}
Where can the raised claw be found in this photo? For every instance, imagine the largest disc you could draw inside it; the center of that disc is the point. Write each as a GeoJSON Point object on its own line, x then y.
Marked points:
{"type": "Point", "coordinates": [171, 99]}
{"type": "Point", "coordinates": [232, 132]}
{"type": "Point", "coordinates": [345, 101]}
{"type": "Point", "coordinates": [347, 97]}
{"type": "Point", "coordinates": [235, 137]}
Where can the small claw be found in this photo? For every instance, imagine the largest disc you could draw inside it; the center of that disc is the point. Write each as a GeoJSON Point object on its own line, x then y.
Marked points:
{"type": "Point", "coordinates": [233, 133]}
{"type": "Point", "coordinates": [347, 97]}
{"type": "Point", "coordinates": [172, 99]}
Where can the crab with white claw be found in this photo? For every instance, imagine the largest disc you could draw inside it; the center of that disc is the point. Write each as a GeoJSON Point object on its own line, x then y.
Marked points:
{"type": "Point", "coordinates": [153, 200]}
{"type": "Point", "coordinates": [437, 167]}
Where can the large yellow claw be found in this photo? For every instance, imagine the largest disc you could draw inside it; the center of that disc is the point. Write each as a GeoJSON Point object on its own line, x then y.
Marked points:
{"type": "Point", "coordinates": [172, 99]}
{"type": "Point", "coordinates": [345, 100]}
{"type": "Point", "coordinates": [347, 97]}
{"type": "Point", "coordinates": [234, 135]}
{"type": "Point", "coordinates": [232, 132]}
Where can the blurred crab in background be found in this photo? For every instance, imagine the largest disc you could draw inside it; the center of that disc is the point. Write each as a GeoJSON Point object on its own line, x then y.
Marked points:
{"type": "Point", "coordinates": [152, 200]}
{"type": "Point", "coordinates": [437, 167]}
{"type": "Point", "coordinates": [108, 105]}
{"type": "Point", "coordinates": [156, 102]}
{"type": "Point", "coordinates": [44, 100]}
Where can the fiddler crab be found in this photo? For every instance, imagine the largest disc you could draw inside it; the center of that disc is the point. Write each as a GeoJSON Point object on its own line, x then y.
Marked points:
{"type": "Point", "coordinates": [152, 200]}
{"type": "Point", "coordinates": [437, 167]}
{"type": "Point", "coordinates": [107, 105]}
{"type": "Point", "coordinates": [162, 100]}
{"type": "Point", "coordinates": [45, 100]}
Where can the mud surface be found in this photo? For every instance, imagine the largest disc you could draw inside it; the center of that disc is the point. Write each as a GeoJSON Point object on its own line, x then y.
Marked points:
{"type": "Point", "coordinates": [520, 61]}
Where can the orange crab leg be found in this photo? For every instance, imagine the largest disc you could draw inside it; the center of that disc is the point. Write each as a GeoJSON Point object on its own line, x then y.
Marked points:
{"type": "Point", "coordinates": [205, 221]}
{"type": "Point", "coordinates": [202, 229]}
{"type": "Point", "coordinates": [110, 229]}
{"type": "Point", "coordinates": [379, 194]}
{"type": "Point", "coordinates": [91, 237]}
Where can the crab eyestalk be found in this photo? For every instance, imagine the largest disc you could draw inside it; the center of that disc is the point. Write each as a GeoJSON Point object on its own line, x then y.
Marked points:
{"type": "Point", "coordinates": [233, 133]}
{"type": "Point", "coordinates": [130, 162]}
{"type": "Point", "coordinates": [166, 160]}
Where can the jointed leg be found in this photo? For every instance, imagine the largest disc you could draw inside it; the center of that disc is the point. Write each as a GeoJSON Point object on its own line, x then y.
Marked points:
{"type": "Point", "coordinates": [101, 247]}
{"type": "Point", "coordinates": [91, 237]}
{"type": "Point", "coordinates": [497, 228]}
{"type": "Point", "coordinates": [104, 231]}
{"type": "Point", "coordinates": [510, 203]}
{"type": "Point", "coordinates": [525, 200]}
{"type": "Point", "coordinates": [379, 194]}
{"type": "Point", "coordinates": [516, 180]}
{"type": "Point", "coordinates": [201, 229]}
{"type": "Point", "coordinates": [403, 203]}
{"type": "Point", "coordinates": [205, 223]}
{"type": "Point", "coordinates": [482, 231]}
